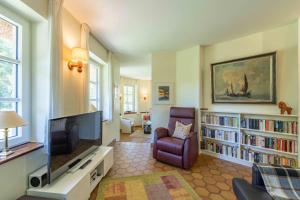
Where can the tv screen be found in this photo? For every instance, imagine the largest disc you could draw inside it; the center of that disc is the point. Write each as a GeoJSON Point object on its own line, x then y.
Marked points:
{"type": "Point", "coordinates": [71, 139]}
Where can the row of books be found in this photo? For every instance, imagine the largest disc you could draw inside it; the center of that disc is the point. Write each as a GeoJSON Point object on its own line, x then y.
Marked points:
{"type": "Point", "coordinates": [270, 125]}
{"type": "Point", "coordinates": [257, 157]}
{"type": "Point", "coordinates": [220, 120]}
{"type": "Point", "coordinates": [221, 149]}
{"type": "Point", "coordinates": [231, 136]}
{"type": "Point", "coordinates": [271, 143]}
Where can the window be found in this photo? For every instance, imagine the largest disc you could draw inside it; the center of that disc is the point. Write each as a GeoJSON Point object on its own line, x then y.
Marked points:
{"type": "Point", "coordinates": [129, 96]}
{"type": "Point", "coordinates": [15, 72]}
{"type": "Point", "coordinates": [10, 63]}
{"type": "Point", "coordinates": [99, 85]}
{"type": "Point", "coordinates": [94, 84]}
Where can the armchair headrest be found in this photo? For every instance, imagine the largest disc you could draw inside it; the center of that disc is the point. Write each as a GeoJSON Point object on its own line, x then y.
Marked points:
{"type": "Point", "coordinates": [182, 112]}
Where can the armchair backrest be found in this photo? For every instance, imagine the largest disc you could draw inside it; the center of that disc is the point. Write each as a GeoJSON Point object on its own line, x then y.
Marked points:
{"type": "Point", "coordinates": [183, 115]}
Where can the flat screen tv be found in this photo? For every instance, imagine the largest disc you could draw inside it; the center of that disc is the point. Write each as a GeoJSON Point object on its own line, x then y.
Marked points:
{"type": "Point", "coordinates": [71, 139]}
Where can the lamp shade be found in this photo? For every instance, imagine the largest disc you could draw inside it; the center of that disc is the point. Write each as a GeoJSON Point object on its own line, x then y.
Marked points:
{"type": "Point", "coordinates": [10, 119]}
{"type": "Point", "coordinates": [79, 54]}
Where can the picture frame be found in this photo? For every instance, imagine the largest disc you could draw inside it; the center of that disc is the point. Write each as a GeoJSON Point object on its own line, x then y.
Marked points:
{"type": "Point", "coordinates": [164, 93]}
{"type": "Point", "coordinates": [248, 80]}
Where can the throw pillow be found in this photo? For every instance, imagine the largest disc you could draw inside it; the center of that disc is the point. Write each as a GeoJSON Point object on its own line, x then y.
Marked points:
{"type": "Point", "coordinates": [181, 130]}
{"type": "Point", "coordinates": [59, 125]}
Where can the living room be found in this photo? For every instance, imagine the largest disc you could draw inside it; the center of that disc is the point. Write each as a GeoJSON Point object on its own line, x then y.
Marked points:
{"type": "Point", "coordinates": [216, 83]}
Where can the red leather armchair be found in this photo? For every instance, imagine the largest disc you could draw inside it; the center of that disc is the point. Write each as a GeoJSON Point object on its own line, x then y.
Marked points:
{"type": "Point", "coordinates": [174, 151]}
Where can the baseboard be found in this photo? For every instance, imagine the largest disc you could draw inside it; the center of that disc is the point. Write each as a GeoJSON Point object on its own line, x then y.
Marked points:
{"type": "Point", "coordinates": [112, 143]}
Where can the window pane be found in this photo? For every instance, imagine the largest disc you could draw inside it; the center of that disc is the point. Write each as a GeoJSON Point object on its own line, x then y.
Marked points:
{"type": "Point", "coordinates": [7, 80]}
{"type": "Point", "coordinates": [93, 73]}
{"type": "Point", "coordinates": [8, 106]}
{"type": "Point", "coordinates": [93, 91]}
{"type": "Point", "coordinates": [12, 132]}
{"type": "Point", "coordinates": [130, 90]}
{"type": "Point", "coordinates": [8, 39]}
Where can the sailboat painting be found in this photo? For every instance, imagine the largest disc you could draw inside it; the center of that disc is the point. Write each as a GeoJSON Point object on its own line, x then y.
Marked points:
{"type": "Point", "coordinates": [245, 80]}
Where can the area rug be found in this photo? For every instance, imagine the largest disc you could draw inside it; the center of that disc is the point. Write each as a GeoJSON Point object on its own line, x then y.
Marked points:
{"type": "Point", "coordinates": [139, 133]}
{"type": "Point", "coordinates": [157, 186]}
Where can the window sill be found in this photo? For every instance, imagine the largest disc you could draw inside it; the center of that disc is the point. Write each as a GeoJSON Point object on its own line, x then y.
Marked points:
{"type": "Point", "coordinates": [22, 150]}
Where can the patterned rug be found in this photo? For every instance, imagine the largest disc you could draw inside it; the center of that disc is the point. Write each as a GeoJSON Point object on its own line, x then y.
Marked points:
{"type": "Point", "coordinates": [157, 186]}
{"type": "Point", "coordinates": [139, 133]}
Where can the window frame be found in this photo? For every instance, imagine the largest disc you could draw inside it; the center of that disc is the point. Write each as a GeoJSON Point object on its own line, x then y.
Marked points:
{"type": "Point", "coordinates": [23, 79]}
{"type": "Point", "coordinates": [98, 98]}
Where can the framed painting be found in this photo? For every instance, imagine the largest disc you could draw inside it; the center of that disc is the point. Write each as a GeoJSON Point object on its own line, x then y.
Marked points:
{"type": "Point", "coordinates": [245, 80]}
{"type": "Point", "coordinates": [163, 93]}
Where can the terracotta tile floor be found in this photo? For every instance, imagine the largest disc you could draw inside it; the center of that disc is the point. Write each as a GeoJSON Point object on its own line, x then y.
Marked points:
{"type": "Point", "coordinates": [210, 177]}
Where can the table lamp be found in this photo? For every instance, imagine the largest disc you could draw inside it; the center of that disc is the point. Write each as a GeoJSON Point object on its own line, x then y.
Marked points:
{"type": "Point", "coordinates": [9, 119]}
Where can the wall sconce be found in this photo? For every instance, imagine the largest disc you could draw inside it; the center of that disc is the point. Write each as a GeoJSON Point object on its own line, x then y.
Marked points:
{"type": "Point", "coordinates": [145, 96]}
{"type": "Point", "coordinates": [79, 59]}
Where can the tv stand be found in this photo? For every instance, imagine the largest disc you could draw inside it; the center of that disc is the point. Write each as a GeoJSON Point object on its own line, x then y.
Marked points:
{"type": "Point", "coordinates": [74, 163]}
{"type": "Point", "coordinates": [85, 164]}
{"type": "Point", "coordinates": [80, 183]}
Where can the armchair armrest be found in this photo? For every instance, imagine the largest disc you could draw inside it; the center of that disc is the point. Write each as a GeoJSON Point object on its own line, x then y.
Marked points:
{"type": "Point", "coordinates": [257, 179]}
{"type": "Point", "coordinates": [160, 133]}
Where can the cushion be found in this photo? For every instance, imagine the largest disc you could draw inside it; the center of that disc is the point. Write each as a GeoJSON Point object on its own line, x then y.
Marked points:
{"type": "Point", "coordinates": [58, 125]}
{"type": "Point", "coordinates": [181, 130]}
{"type": "Point", "coordinates": [170, 145]}
{"type": "Point", "coordinates": [245, 191]}
{"type": "Point", "coordinates": [59, 137]}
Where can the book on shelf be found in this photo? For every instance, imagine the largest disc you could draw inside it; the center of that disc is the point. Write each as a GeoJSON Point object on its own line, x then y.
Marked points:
{"type": "Point", "coordinates": [220, 120]}
{"type": "Point", "coordinates": [253, 138]}
{"type": "Point", "coordinates": [270, 125]}
{"type": "Point", "coordinates": [283, 145]}
{"type": "Point", "coordinates": [257, 157]}
{"type": "Point", "coordinates": [230, 136]}
{"type": "Point", "coordinates": [220, 148]}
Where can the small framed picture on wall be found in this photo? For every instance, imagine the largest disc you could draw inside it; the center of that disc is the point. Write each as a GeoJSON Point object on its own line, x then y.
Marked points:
{"type": "Point", "coordinates": [164, 93]}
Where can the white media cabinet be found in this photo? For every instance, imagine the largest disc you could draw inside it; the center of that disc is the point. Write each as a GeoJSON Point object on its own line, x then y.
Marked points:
{"type": "Point", "coordinates": [78, 184]}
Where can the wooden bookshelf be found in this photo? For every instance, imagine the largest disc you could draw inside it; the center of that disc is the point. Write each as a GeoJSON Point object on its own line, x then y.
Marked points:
{"type": "Point", "coordinates": [210, 123]}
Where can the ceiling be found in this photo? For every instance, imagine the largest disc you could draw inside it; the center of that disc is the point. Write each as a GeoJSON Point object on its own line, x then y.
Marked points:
{"type": "Point", "coordinates": [136, 67]}
{"type": "Point", "coordinates": [140, 27]}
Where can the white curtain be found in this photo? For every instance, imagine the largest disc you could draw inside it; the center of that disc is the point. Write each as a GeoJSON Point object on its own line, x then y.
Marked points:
{"type": "Point", "coordinates": [56, 65]}
{"type": "Point", "coordinates": [84, 40]}
{"type": "Point", "coordinates": [108, 91]}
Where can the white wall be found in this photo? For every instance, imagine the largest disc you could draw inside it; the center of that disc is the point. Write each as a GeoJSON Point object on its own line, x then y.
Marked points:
{"type": "Point", "coordinates": [111, 129]}
{"type": "Point", "coordinates": [72, 80]}
{"type": "Point", "coordinates": [116, 95]}
{"type": "Point", "coordinates": [284, 40]}
{"type": "Point", "coordinates": [14, 174]}
{"type": "Point", "coordinates": [188, 77]}
{"type": "Point", "coordinates": [163, 71]}
{"type": "Point", "coordinates": [98, 49]}
{"type": "Point", "coordinates": [144, 90]}
{"type": "Point", "coordinates": [40, 81]}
